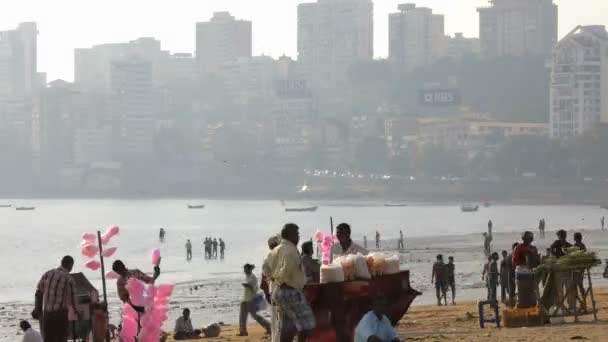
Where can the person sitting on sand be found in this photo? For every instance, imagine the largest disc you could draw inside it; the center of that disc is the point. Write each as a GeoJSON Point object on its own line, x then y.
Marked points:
{"type": "Point", "coordinates": [311, 266]}
{"type": "Point", "coordinates": [183, 328]}
{"type": "Point", "coordinates": [439, 278]}
{"type": "Point", "coordinates": [375, 326]}
{"type": "Point", "coordinates": [345, 245]}
{"type": "Point", "coordinates": [248, 302]}
{"type": "Point", "coordinates": [29, 334]}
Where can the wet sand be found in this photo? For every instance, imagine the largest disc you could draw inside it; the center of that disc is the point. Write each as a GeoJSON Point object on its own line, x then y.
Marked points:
{"type": "Point", "coordinates": [460, 323]}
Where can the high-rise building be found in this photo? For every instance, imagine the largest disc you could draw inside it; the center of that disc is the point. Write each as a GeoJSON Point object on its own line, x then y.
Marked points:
{"type": "Point", "coordinates": [518, 28]}
{"type": "Point", "coordinates": [18, 61]}
{"type": "Point", "coordinates": [133, 104]}
{"type": "Point", "coordinates": [221, 40]}
{"type": "Point", "coordinates": [92, 66]}
{"type": "Point", "coordinates": [332, 36]}
{"type": "Point", "coordinates": [459, 46]}
{"type": "Point", "coordinates": [579, 82]}
{"type": "Point", "coordinates": [416, 36]}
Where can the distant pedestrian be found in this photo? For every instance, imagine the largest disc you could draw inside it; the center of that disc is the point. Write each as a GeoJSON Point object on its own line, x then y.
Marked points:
{"type": "Point", "coordinates": [487, 244]}
{"type": "Point", "coordinates": [188, 250]}
{"type": "Point", "coordinates": [504, 276]}
{"type": "Point", "coordinates": [55, 295]}
{"type": "Point", "coordinates": [401, 245]}
{"type": "Point", "coordinates": [222, 248]}
{"type": "Point", "coordinates": [493, 275]}
{"type": "Point", "coordinates": [602, 222]}
{"type": "Point", "coordinates": [214, 244]}
{"type": "Point", "coordinates": [161, 235]}
{"type": "Point", "coordinates": [248, 306]}
{"type": "Point", "coordinates": [451, 269]}
{"type": "Point", "coordinates": [377, 239]}
{"type": "Point", "coordinates": [365, 241]}
{"type": "Point", "coordinates": [439, 278]}
{"type": "Point", "coordinates": [490, 226]}
{"type": "Point", "coordinates": [541, 228]}
{"type": "Point", "coordinates": [29, 334]}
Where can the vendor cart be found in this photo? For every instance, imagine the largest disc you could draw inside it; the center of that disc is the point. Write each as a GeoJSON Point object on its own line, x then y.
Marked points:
{"type": "Point", "coordinates": [338, 307]}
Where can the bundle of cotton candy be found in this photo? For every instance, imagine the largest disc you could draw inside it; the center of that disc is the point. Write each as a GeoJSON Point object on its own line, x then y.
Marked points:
{"type": "Point", "coordinates": [392, 265]}
{"type": "Point", "coordinates": [331, 274]}
{"type": "Point", "coordinates": [361, 269]}
{"type": "Point", "coordinates": [348, 266]}
{"type": "Point", "coordinates": [129, 315]}
{"type": "Point", "coordinates": [379, 264]}
{"type": "Point", "coordinates": [157, 312]}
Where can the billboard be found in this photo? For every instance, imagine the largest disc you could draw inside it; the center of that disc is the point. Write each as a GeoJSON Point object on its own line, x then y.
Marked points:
{"type": "Point", "coordinates": [439, 97]}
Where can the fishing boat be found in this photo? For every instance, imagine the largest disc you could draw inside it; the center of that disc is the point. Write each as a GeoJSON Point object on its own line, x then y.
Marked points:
{"type": "Point", "coordinates": [25, 208]}
{"type": "Point", "coordinates": [469, 208]}
{"type": "Point", "coordinates": [487, 204]}
{"type": "Point", "coordinates": [5, 205]}
{"type": "Point", "coordinates": [394, 205]}
{"type": "Point", "coordinates": [198, 206]}
{"type": "Point", "coordinates": [297, 210]}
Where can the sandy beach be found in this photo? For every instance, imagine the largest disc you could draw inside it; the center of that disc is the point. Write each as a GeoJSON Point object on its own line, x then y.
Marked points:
{"type": "Point", "coordinates": [430, 323]}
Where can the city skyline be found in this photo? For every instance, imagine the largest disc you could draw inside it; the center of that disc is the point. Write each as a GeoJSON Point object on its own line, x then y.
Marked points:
{"type": "Point", "coordinates": [174, 25]}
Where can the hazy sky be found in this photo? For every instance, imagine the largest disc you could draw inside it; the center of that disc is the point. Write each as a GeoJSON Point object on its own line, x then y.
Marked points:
{"type": "Point", "coordinates": [66, 24]}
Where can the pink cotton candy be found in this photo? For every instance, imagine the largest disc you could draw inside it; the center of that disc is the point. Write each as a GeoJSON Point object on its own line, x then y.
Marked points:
{"type": "Point", "coordinates": [156, 257]}
{"type": "Point", "coordinates": [164, 290]}
{"type": "Point", "coordinates": [327, 239]}
{"type": "Point", "coordinates": [89, 250]}
{"type": "Point", "coordinates": [109, 234]}
{"type": "Point", "coordinates": [326, 262]}
{"type": "Point", "coordinates": [89, 237]}
{"type": "Point", "coordinates": [112, 275]}
{"type": "Point", "coordinates": [319, 236]}
{"type": "Point", "coordinates": [129, 328]}
{"type": "Point", "coordinates": [136, 291]}
{"type": "Point", "coordinates": [93, 265]}
{"type": "Point", "coordinates": [108, 252]}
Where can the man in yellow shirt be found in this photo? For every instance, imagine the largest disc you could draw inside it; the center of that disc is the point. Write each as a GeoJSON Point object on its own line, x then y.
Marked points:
{"type": "Point", "coordinates": [295, 315]}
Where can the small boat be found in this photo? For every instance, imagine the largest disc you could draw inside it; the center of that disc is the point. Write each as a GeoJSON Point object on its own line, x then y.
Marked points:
{"type": "Point", "coordinates": [25, 208]}
{"type": "Point", "coordinates": [487, 204]}
{"type": "Point", "coordinates": [5, 205]}
{"type": "Point", "coordinates": [469, 208]}
{"type": "Point", "coordinates": [297, 210]}
{"type": "Point", "coordinates": [394, 205]}
{"type": "Point", "coordinates": [199, 206]}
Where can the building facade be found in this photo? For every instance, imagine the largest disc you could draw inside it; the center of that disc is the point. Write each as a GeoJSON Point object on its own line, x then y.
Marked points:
{"type": "Point", "coordinates": [518, 28]}
{"type": "Point", "coordinates": [332, 36]}
{"type": "Point", "coordinates": [416, 36]}
{"type": "Point", "coordinates": [579, 82]}
{"type": "Point", "coordinates": [221, 40]}
{"type": "Point", "coordinates": [18, 61]}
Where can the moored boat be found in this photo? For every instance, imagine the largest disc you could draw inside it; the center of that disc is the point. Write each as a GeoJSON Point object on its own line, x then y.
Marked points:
{"type": "Point", "coordinates": [5, 205]}
{"type": "Point", "coordinates": [309, 209]}
{"type": "Point", "coordinates": [198, 206]}
{"type": "Point", "coordinates": [393, 205]}
{"type": "Point", "coordinates": [25, 208]}
{"type": "Point", "coordinates": [469, 208]}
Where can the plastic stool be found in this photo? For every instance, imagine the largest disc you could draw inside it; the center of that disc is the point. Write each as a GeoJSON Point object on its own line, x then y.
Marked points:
{"type": "Point", "coordinates": [482, 320]}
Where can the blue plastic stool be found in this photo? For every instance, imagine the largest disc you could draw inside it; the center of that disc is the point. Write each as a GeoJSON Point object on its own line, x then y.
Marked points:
{"type": "Point", "coordinates": [482, 320]}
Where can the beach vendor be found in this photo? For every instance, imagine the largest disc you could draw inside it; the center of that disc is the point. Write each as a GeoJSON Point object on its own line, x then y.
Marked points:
{"type": "Point", "coordinates": [345, 245]}
{"type": "Point", "coordinates": [267, 286]}
{"type": "Point", "coordinates": [295, 316]}
{"type": "Point", "coordinates": [125, 274]}
{"type": "Point", "coordinates": [525, 257]}
{"type": "Point", "coordinates": [55, 295]}
{"type": "Point", "coordinates": [375, 326]}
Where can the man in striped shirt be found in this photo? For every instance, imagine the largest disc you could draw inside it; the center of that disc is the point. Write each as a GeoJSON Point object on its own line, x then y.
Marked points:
{"type": "Point", "coordinates": [55, 295]}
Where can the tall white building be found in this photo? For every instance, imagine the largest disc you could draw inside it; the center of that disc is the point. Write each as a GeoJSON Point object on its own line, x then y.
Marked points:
{"type": "Point", "coordinates": [134, 108]}
{"type": "Point", "coordinates": [18, 61]}
{"type": "Point", "coordinates": [221, 40]}
{"type": "Point", "coordinates": [416, 36]}
{"type": "Point", "coordinates": [92, 66]}
{"type": "Point", "coordinates": [518, 28]}
{"type": "Point", "coordinates": [579, 82]}
{"type": "Point", "coordinates": [332, 36]}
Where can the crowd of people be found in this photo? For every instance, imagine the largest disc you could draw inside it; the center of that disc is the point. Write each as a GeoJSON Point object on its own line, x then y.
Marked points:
{"type": "Point", "coordinates": [211, 246]}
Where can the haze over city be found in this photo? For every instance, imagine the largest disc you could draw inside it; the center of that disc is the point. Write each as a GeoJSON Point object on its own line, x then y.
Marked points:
{"type": "Point", "coordinates": [69, 24]}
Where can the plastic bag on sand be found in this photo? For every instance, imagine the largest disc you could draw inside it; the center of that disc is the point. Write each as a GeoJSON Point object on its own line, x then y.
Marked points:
{"type": "Point", "coordinates": [392, 265]}
{"type": "Point", "coordinates": [331, 274]}
{"type": "Point", "coordinates": [361, 270]}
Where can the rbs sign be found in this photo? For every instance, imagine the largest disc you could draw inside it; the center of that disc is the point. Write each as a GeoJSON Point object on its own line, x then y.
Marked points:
{"type": "Point", "coordinates": [439, 97]}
